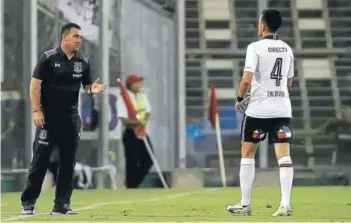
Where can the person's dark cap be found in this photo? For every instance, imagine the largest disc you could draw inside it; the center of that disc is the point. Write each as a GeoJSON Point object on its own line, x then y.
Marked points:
{"type": "Point", "coordinates": [133, 78]}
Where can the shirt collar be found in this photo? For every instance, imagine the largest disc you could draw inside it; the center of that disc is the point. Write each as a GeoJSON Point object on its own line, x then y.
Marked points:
{"type": "Point", "coordinates": [273, 37]}
{"type": "Point", "coordinates": [61, 53]}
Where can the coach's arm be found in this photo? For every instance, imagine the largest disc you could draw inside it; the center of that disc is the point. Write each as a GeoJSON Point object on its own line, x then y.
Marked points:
{"type": "Point", "coordinates": [39, 74]}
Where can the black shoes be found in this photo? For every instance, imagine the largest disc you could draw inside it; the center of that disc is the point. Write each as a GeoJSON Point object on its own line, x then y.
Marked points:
{"type": "Point", "coordinates": [28, 209]}
{"type": "Point", "coordinates": [62, 209]}
{"type": "Point", "coordinates": [58, 209]}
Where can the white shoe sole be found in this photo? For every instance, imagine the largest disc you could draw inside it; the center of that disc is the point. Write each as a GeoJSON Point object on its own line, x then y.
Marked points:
{"type": "Point", "coordinates": [60, 213]}
{"type": "Point", "coordinates": [29, 213]}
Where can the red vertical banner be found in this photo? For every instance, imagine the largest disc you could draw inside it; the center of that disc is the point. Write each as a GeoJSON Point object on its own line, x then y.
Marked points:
{"type": "Point", "coordinates": [139, 130]}
{"type": "Point", "coordinates": [213, 106]}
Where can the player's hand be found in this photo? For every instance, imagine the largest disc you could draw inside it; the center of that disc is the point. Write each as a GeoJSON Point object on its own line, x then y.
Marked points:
{"type": "Point", "coordinates": [238, 106]}
{"type": "Point", "coordinates": [38, 119]}
{"type": "Point", "coordinates": [97, 88]}
{"type": "Point", "coordinates": [241, 106]}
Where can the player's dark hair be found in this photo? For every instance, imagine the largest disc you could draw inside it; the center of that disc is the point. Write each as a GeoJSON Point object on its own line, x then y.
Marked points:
{"type": "Point", "coordinates": [272, 18]}
{"type": "Point", "coordinates": [67, 27]}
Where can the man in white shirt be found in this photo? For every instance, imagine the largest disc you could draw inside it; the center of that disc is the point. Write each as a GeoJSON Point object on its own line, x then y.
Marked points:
{"type": "Point", "coordinates": [138, 161]}
{"type": "Point", "coordinates": [269, 69]}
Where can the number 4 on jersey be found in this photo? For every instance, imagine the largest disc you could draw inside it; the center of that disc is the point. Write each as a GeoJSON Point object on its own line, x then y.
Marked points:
{"type": "Point", "coordinates": [276, 73]}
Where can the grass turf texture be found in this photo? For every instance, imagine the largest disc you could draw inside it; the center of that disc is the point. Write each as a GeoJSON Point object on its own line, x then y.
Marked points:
{"type": "Point", "coordinates": [209, 204]}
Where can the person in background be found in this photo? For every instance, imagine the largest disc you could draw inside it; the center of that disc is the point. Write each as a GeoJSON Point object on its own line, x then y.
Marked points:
{"type": "Point", "coordinates": [138, 161]}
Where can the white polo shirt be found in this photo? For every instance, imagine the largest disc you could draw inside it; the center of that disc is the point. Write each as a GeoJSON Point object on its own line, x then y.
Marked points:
{"type": "Point", "coordinates": [272, 62]}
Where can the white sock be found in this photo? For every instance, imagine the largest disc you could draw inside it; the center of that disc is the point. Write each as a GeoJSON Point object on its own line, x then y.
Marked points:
{"type": "Point", "coordinates": [286, 174]}
{"type": "Point", "coordinates": [247, 176]}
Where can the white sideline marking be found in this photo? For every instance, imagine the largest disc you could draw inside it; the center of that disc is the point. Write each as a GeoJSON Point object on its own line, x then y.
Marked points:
{"type": "Point", "coordinates": [95, 206]}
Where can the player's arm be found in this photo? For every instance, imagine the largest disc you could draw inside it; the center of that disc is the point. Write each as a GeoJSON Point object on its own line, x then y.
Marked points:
{"type": "Point", "coordinates": [290, 80]}
{"type": "Point", "coordinates": [245, 83]}
{"type": "Point", "coordinates": [38, 76]}
{"type": "Point", "coordinates": [251, 62]}
{"type": "Point", "coordinates": [291, 71]}
{"type": "Point", "coordinates": [87, 80]}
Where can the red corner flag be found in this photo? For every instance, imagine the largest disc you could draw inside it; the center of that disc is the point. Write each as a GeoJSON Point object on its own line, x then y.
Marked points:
{"type": "Point", "coordinates": [213, 106]}
{"type": "Point", "coordinates": [139, 131]}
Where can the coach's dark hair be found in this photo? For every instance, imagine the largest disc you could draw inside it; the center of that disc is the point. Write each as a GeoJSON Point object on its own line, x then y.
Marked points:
{"type": "Point", "coordinates": [272, 18]}
{"type": "Point", "coordinates": [67, 27]}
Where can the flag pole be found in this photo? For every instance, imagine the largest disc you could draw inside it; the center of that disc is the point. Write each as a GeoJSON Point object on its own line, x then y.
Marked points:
{"type": "Point", "coordinates": [154, 160]}
{"type": "Point", "coordinates": [220, 152]}
{"type": "Point", "coordinates": [213, 116]}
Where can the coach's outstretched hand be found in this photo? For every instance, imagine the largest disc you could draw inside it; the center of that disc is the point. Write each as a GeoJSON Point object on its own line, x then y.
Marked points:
{"type": "Point", "coordinates": [97, 88]}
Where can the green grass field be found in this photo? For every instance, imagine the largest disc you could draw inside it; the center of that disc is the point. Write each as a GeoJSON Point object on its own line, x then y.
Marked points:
{"type": "Point", "coordinates": [159, 205]}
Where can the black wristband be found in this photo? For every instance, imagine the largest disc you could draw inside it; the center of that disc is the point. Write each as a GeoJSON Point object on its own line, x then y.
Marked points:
{"type": "Point", "coordinates": [88, 90]}
{"type": "Point", "coordinates": [239, 99]}
{"type": "Point", "coordinates": [91, 93]}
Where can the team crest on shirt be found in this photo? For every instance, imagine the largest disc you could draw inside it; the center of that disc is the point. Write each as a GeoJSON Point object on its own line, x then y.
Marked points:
{"type": "Point", "coordinates": [78, 68]}
{"type": "Point", "coordinates": [43, 134]}
{"type": "Point", "coordinates": [43, 137]}
{"type": "Point", "coordinates": [284, 133]}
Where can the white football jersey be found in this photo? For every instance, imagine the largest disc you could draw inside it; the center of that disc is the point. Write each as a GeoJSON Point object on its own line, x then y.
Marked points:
{"type": "Point", "coordinates": [272, 62]}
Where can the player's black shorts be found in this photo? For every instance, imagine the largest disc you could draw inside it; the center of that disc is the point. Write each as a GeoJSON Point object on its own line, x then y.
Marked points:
{"type": "Point", "coordinates": [255, 130]}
